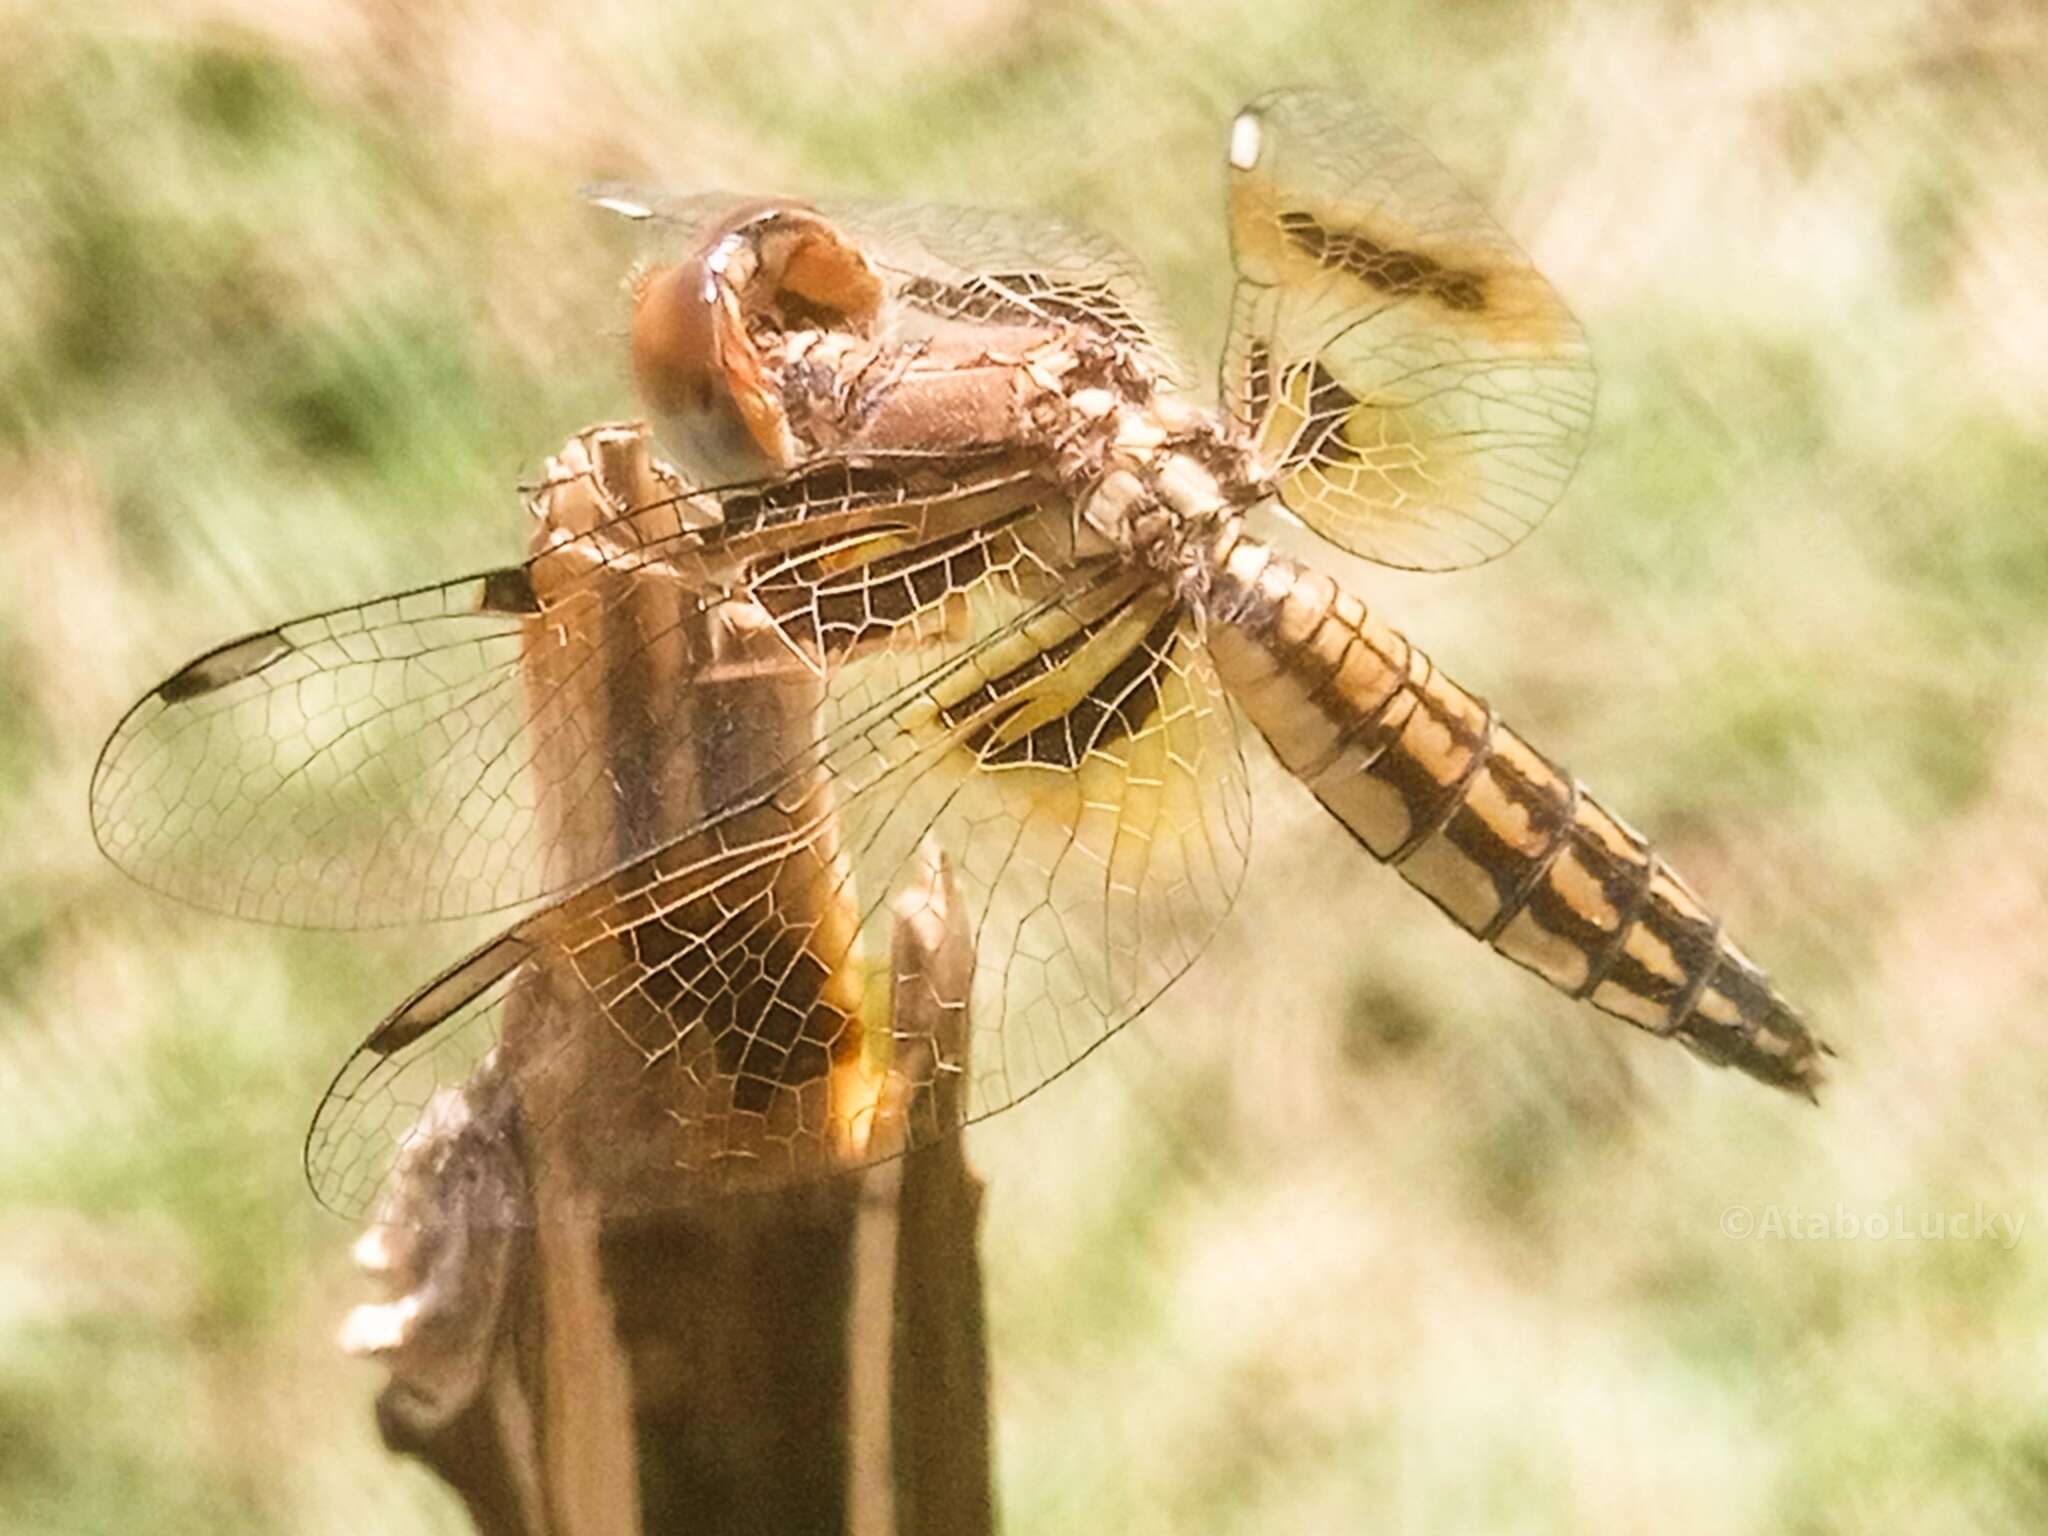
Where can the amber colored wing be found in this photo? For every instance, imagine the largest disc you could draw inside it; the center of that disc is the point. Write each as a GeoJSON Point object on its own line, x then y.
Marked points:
{"type": "Point", "coordinates": [707, 1018]}
{"type": "Point", "coordinates": [984, 266]}
{"type": "Point", "coordinates": [389, 762]}
{"type": "Point", "coordinates": [1417, 389]}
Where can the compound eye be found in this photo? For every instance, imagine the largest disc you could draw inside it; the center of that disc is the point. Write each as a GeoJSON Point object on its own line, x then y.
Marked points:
{"type": "Point", "coordinates": [701, 378]}
{"type": "Point", "coordinates": [706, 331]}
{"type": "Point", "coordinates": [676, 343]}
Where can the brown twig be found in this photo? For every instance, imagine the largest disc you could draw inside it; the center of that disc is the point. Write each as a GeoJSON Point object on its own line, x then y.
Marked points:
{"type": "Point", "coordinates": [805, 1360]}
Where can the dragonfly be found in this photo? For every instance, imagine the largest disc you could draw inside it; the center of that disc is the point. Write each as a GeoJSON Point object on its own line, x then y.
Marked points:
{"type": "Point", "coordinates": [940, 553]}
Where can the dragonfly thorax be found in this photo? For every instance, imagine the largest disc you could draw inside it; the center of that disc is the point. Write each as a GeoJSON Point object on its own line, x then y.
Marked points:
{"type": "Point", "coordinates": [1164, 484]}
{"type": "Point", "coordinates": [778, 340]}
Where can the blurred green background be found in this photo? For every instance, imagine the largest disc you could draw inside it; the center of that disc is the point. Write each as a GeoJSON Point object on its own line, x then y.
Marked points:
{"type": "Point", "coordinates": [1360, 1228]}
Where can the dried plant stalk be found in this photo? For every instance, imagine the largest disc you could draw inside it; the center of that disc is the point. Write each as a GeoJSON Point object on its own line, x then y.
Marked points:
{"type": "Point", "coordinates": [810, 1359]}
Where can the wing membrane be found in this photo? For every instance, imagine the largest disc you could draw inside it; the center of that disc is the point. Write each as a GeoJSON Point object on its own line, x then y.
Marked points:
{"type": "Point", "coordinates": [1419, 392]}
{"type": "Point", "coordinates": [708, 1011]}
{"type": "Point", "coordinates": [453, 750]}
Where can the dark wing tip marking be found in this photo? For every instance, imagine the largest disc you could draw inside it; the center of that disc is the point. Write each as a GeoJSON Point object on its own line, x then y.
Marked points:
{"type": "Point", "coordinates": [509, 590]}
{"type": "Point", "coordinates": [223, 665]}
{"type": "Point", "coordinates": [449, 992]}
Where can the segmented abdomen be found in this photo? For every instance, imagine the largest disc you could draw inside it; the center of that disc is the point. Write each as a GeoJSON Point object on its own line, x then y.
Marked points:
{"type": "Point", "coordinates": [1476, 819]}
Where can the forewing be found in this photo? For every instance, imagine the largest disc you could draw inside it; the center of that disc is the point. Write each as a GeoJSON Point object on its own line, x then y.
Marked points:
{"type": "Point", "coordinates": [717, 1016]}
{"type": "Point", "coordinates": [986, 266]}
{"type": "Point", "coordinates": [1418, 390]}
{"type": "Point", "coordinates": [457, 749]}
{"type": "Point", "coordinates": [346, 769]}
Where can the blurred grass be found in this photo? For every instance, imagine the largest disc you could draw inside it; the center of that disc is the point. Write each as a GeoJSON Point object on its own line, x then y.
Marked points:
{"type": "Point", "coordinates": [1359, 1229]}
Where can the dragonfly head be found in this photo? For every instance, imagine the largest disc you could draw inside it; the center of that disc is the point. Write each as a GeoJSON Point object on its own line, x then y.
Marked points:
{"type": "Point", "coordinates": [704, 329]}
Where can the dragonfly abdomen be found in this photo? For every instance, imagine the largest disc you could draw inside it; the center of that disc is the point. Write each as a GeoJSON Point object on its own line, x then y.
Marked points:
{"type": "Point", "coordinates": [1509, 846]}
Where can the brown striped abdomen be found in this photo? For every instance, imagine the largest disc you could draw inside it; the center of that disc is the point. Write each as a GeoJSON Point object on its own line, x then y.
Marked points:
{"type": "Point", "coordinates": [1476, 819]}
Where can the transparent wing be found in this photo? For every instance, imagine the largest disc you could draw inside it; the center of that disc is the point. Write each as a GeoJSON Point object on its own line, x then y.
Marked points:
{"type": "Point", "coordinates": [711, 1017]}
{"type": "Point", "coordinates": [455, 749]}
{"type": "Point", "coordinates": [1420, 393]}
{"type": "Point", "coordinates": [986, 265]}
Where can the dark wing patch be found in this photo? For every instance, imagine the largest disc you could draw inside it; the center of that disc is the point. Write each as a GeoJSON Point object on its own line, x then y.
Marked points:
{"type": "Point", "coordinates": [1417, 391]}
{"type": "Point", "coordinates": [1396, 273]}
